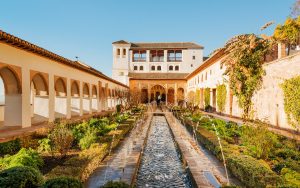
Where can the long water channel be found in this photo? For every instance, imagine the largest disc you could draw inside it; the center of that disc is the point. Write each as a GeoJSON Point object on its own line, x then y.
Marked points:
{"type": "Point", "coordinates": [161, 164]}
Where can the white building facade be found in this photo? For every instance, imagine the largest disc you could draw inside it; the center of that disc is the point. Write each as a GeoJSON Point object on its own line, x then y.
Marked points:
{"type": "Point", "coordinates": [176, 57]}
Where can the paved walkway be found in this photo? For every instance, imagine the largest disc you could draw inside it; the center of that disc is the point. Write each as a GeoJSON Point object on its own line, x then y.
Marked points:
{"type": "Point", "coordinates": [206, 172]}
{"type": "Point", "coordinates": [8, 133]}
{"type": "Point", "coordinates": [123, 163]}
{"type": "Point", "coordinates": [286, 133]}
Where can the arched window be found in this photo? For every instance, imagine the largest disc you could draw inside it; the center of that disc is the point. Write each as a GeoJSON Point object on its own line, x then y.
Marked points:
{"type": "Point", "coordinates": [170, 67]}
{"type": "Point", "coordinates": [177, 68]}
{"type": "Point", "coordinates": [124, 52]}
{"type": "Point", "coordinates": [118, 51]}
{"type": "Point", "coordinates": [153, 68]}
{"type": "Point", "coordinates": [158, 68]}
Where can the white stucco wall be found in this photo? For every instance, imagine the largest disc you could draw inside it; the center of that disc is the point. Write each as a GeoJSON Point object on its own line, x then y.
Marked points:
{"type": "Point", "coordinates": [268, 104]}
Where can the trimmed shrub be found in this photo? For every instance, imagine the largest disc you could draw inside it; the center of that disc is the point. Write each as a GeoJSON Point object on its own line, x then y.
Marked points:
{"type": "Point", "coordinates": [61, 138]}
{"type": "Point", "coordinates": [291, 177]}
{"type": "Point", "coordinates": [221, 97]}
{"type": "Point", "coordinates": [44, 145]}
{"type": "Point", "coordinates": [20, 177]}
{"type": "Point", "coordinates": [63, 182]}
{"type": "Point", "coordinates": [25, 157]}
{"type": "Point", "coordinates": [10, 147]}
{"type": "Point", "coordinates": [115, 184]}
{"type": "Point", "coordinates": [88, 139]}
{"type": "Point", "coordinates": [207, 98]}
{"type": "Point", "coordinates": [252, 172]}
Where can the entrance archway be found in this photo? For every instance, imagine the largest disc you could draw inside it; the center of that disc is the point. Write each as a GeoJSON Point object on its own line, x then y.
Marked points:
{"type": "Point", "coordinates": [60, 99]}
{"type": "Point", "coordinates": [39, 99]}
{"type": "Point", "coordinates": [180, 95]}
{"type": "Point", "coordinates": [10, 98]}
{"type": "Point", "coordinates": [86, 99]}
{"type": "Point", "coordinates": [94, 99]}
{"type": "Point", "coordinates": [75, 99]}
{"type": "Point", "coordinates": [156, 91]}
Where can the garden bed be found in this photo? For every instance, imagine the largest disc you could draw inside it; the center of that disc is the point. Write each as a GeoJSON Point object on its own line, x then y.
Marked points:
{"type": "Point", "coordinates": [68, 149]}
{"type": "Point", "coordinates": [274, 165]}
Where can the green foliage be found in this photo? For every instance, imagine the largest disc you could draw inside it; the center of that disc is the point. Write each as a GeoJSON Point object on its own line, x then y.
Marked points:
{"type": "Point", "coordinates": [259, 140]}
{"type": "Point", "coordinates": [252, 172]}
{"type": "Point", "coordinates": [244, 67]}
{"type": "Point", "coordinates": [118, 108]}
{"type": "Point", "coordinates": [288, 33]}
{"type": "Point", "coordinates": [206, 97]}
{"type": "Point", "coordinates": [221, 97]}
{"type": "Point", "coordinates": [115, 184]}
{"type": "Point", "coordinates": [63, 182]}
{"type": "Point", "coordinates": [10, 147]}
{"type": "Point", "coordinates": [197, 97]}
{"type": "Point", "coordinates": [88, 139]}
{"type": "Point", "coordinates": [291, 177]}
{"type": "Point", "coordinates": [291, 91]}
{"type": "Point", "coordinates": [61, 138]}
{"type": "Point", "coordinates": [25, 157]}
{"type": "Point", "coordinates": [44, 145]}
{"type": "Point", "coordinates": [20, 177]}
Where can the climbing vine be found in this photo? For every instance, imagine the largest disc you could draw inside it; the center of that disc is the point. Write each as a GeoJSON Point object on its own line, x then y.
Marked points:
{"type": "Point", "coordinates": [291, 91]}
{"type": "Point", "coordinates": [206, 97]}
{"type": "Point", "coordinates": [221, 97]}
{"type": "Point", "coordinates": [245, 56]}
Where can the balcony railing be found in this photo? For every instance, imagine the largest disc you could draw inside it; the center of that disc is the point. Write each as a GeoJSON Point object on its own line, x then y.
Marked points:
{"type": "Point", "coordinates": [139, 59]}
{"type": "Point", "coordinates": [157, 59]}
{"type": "Point", "coordinates": [174, 59]}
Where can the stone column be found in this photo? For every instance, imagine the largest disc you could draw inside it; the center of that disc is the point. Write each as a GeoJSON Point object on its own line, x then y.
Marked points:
{"type": "Point", "coordinates": [281, 50]}
{"type": "Point", "coordinates": [91, 98]}
{"type": "Point", "coordinates": [52, 94]}
{"type": "Point", "coordinates": [69, 115]}
{"type": "Point", "coordinates": [26, 107]}
{"type": "Point", "coordinates": [166, 93]}
{"type": "Point", "coordinates": [147, 55]}
{"type": "Point", "coordinates": [175, 93]}
{"type": "Point", "coordinates": [165, 55]}
{"type": "Point", "coordinates": [99, 87]}
{"type": "Point", "coordinates": [81, 97]}
{"type": "Point", "coordinates": [149, 93]}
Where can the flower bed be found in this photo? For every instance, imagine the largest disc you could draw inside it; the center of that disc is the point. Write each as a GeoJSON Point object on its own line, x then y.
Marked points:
{"type": "Point", "coordinates": [67, 150]}
{"type": "Point", "coordinates": [256, 156]}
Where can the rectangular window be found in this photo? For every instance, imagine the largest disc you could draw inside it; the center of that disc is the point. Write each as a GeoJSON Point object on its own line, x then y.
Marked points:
{"type": "Point", "coordinates": [174, 55]}
{"type": "Point", "coordinates": [141, 68]}
{"type": "Point", "coordinates": [135, 68]}
{"type": "Point", "coordinates": [156, 56]}
{"type": "Point", "coordinates": [124, 52]}
{"type": "Point", "coordinates": [194, 57]}
{"type": "Point", "coordinates": [139, 55]}
{"type": "Point", "coordinates": [118, 51]}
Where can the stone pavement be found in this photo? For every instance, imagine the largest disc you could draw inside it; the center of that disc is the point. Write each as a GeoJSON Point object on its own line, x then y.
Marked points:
{"type": "Point", "coordinates": [123, 163]}
{"type": "Point", "coordinates": [289, 134]}
{"type": "Point", "coordinates": [205, 171]}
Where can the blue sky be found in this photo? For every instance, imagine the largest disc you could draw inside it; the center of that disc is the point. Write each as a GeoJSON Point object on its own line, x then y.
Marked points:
{"type": "Point", "coordinates": [86, 28]}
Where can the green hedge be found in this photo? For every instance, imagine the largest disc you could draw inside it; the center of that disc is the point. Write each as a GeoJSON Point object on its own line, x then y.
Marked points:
{"type": "Point", "coordinates": [20, 177]}
{"type": "Point", "coordinates": [63, 182]}
{"type": "Point", "coordinates": [10, 147]}
{"type": "Point", "coordinates": [247, 169]}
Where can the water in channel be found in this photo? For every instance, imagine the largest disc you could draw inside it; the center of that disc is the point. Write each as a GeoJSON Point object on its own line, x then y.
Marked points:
{"type": "Point", "coordinates": [161, 164]}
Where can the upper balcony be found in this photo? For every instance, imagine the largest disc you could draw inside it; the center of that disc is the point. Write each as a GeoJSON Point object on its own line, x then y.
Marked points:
{"type": "Point", "coordinates": [157, 55]}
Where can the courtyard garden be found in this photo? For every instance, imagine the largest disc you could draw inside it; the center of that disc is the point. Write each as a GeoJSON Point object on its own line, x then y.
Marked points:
{"type": "Point", "coordinates": [65, 154]}
{"type": "Point", "coordinates": [253, 154]}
